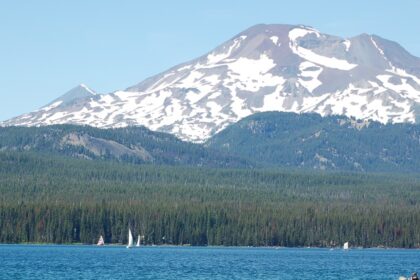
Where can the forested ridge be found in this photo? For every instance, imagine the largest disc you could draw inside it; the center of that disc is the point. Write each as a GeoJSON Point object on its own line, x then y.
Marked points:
{"type": "Point", "coordinates": [62, 200]}
{"type": "Point", "coordinates": [262, 140]}
{"type": "Point", "coordinates": [309, 141]}
{"type": "Point", "coordinates": [130, 144]}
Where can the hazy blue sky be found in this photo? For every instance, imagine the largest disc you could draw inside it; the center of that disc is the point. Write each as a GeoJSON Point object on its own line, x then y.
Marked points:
{"type": "Point", "coordinates": [48, 47]}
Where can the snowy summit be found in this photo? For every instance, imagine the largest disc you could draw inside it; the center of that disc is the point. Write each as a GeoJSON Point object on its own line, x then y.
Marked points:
{"type": "Point", "coordinates": [265, 68]}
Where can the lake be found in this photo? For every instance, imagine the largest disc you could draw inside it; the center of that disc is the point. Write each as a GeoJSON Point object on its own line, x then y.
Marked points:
{"type": "Point", "coordinates": [117, 262]}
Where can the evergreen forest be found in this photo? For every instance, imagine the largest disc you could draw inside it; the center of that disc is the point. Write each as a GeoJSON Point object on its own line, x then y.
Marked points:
{"type": "Point", "coordinates": [47, 198]}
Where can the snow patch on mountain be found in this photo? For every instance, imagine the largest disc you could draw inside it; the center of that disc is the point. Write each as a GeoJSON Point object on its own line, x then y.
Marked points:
{"type": "Point", "coordinates": [347, 44]}
{"type": "Point", "coordinates": [274, 39]}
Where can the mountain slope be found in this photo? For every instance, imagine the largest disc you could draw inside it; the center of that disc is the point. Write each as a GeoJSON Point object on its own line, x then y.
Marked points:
{"type": "Point", "coordinates": [309, 141]}
{"type": "Point", "coordinates": [265, 68]}
{"type": "Point", "coordinates": [134, 144]}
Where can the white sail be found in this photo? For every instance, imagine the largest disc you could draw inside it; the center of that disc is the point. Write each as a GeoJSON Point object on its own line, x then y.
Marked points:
{"type": "Point", "coordinates": [101, 241]}
{"type": "Point", "coordinates": [130, 239]}
{"type": "Point", "coordinates": [138, 241]}
{"type": "Point", "coordinates": [346, 246]}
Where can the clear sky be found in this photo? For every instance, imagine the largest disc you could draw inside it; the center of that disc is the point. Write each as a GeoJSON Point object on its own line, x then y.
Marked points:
{"type": "Point", "coordinates": [48, 47]}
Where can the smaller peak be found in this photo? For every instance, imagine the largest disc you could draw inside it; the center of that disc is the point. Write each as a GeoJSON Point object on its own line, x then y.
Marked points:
{"type": "Point", "coordinates": [85, 87]}
{"type": "Point", "coordinates": [80, 91]}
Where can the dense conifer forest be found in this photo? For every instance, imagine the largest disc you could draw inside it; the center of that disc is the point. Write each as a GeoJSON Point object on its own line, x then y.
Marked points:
{"type": "Point", "coordinates": [55, 199]}
{"type": "Point", "coordinates": [309, 141]}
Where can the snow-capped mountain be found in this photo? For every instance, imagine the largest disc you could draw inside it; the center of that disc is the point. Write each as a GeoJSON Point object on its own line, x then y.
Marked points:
{"type": "Point", "coordinates": [265, 68]}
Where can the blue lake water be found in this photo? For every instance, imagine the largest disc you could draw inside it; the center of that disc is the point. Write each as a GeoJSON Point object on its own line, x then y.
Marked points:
{"type": "Point", "coordinates": [115, 262]}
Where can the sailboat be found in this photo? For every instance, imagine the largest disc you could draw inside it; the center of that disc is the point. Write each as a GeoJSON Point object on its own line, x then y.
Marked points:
{"type": "Point", "coordinates": [138, 241]}
{"type": "Point", "coordinates": [346, 246]}
{"type": "Point", "coordinates": [130, 239]}
{"type": "Point", "coordinates": [101, 241]}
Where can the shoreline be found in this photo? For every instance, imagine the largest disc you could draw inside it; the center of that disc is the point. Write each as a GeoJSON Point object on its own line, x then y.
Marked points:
{"type": "Point", "coordinates": [204, 246]}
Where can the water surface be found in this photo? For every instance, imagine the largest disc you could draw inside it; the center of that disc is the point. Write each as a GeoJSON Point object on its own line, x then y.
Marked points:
{"type": "Point", "coordinates": [115, 262]}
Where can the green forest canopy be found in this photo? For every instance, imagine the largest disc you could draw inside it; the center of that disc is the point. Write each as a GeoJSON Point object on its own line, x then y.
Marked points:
{"type": "Point", "coordinates": [61, 200]}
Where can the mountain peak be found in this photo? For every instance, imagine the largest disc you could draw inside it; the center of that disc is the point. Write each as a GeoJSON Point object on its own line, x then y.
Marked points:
{"type": "Point", "coordinates": [268, 67]}
{"type": "Point", "coordinates": [272, 27]}
{"type": "Point", "coordinates": [80, 91]}
{"type": "Point", "coordinates": [85, 87]}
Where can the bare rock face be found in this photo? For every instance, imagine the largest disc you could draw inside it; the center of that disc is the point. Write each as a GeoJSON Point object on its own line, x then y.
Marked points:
{"type": "Point", "coordinates": [265, 68]}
